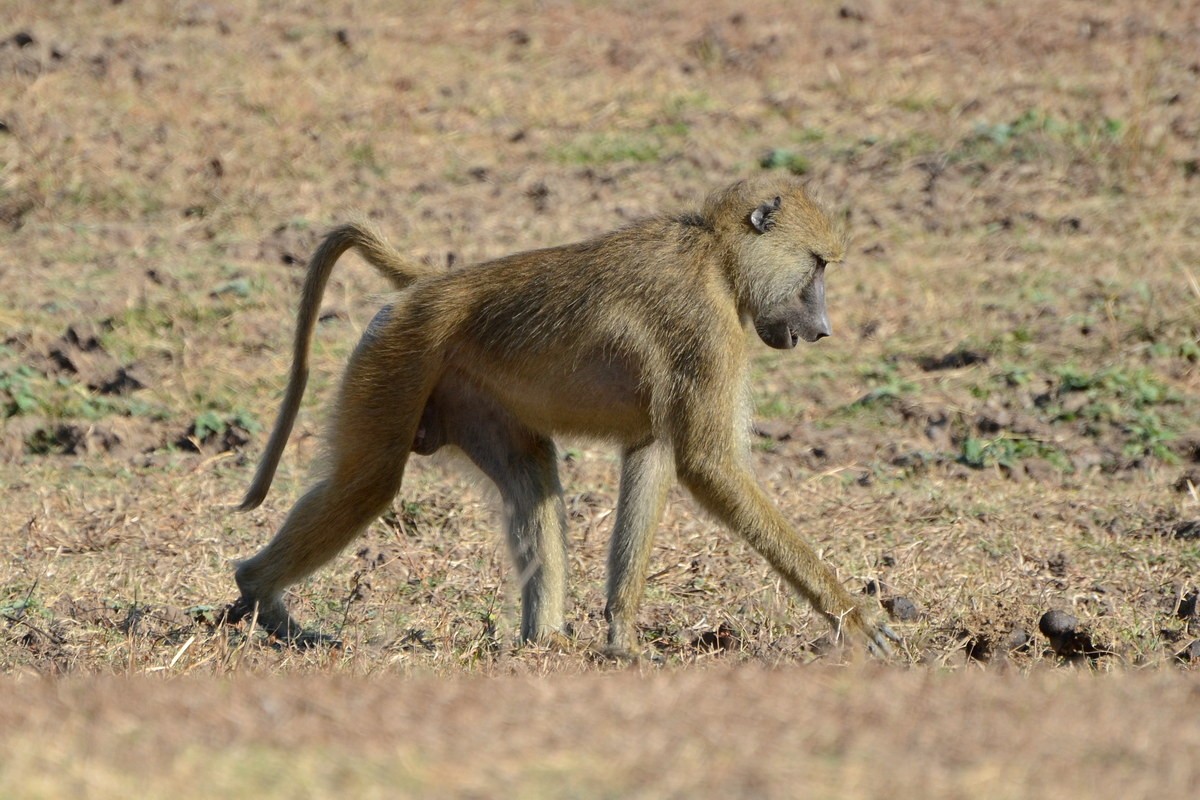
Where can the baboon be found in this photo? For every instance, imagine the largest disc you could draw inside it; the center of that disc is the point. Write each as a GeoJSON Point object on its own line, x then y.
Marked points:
{"type": "Point", "coordinates": [638, 337]}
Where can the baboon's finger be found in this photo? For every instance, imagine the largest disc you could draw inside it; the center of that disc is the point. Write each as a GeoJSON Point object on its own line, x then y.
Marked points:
{"type": "Point", "coordinates": [878, 643]}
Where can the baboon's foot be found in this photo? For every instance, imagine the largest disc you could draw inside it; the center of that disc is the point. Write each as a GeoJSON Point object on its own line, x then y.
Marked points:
{"type": "Point", "coordinates": [309, 639]}
{"type": "Point", "coordinates": [275, 620]}
{"type": "Point", "coordinates": [622, 654]}
{"type": "Point", "coordinates": [555, 640]}
{"type": "Point", "coordinates": [623, 648]}
{"type": "Point", "coordinates": [622, 643]}
{"type": "Point", "coordinates": [628, 656]}
{"type": "Point", "coordinates": [552, 642]}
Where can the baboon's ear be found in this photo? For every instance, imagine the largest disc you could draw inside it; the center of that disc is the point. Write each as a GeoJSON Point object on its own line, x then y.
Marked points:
{"type": "Point", "coordinates": [762, 218]}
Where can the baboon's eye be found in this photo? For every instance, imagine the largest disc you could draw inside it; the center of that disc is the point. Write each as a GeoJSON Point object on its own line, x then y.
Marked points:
{"type": "Point", "coordinates": [818, 261]}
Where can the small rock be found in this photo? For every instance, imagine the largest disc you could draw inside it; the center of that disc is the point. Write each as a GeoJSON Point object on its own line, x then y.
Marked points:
{"type": "Point", "coordinates": [723, 639]}
{"type": "Point", "coordinates": [85, 336]}
{"type": "Point", "coordinates": [1057, 624]}
{"type": "Point", "coordinates": [1057, 564]}
{"type": "Point", "coordinates": [123, 382]}
{"type": "Point", "coordinates": [539, 193]}
{"type": "Point", "coordinates": [901, 609]}
{"type": "Point", "coordinates": [1017, 640]}
{"type": "Point", "coordinates": [1187, 608]}
{"type": "Point", "coordinates": [226, 434]}
{"type": "Point", "coordinates": [978, 647]}
{"type": "Point", "coordinates": [1186, 530]}
{"type": "Point", "coordinates": [172, 617]}
{"type": "Point", "coordinates": [1187, 482]}
{"type": "Point", "coordinates": [955, 359]}
{"type": "Point", "coordinates": [994, 420]}
{"type": "Point", "coordinates": [70, 440]}
{"type": "Point", "coordinates": [1188, 447]}
{"type": "Point", "coordinates": [1066, 638]}
{"type": "Point", "coordinates": [1189, 654]}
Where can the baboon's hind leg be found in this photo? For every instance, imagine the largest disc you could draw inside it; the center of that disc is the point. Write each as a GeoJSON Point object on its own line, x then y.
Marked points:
{"type": "Point", "coordinates": [377, 415]}
{"type": "Point", "coordinates": [523, 465]}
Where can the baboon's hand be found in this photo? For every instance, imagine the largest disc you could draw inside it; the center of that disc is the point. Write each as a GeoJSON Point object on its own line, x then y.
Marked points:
{"type": "Point", "coordinates": [861, 627]}
{"type": "Point", "coordinates": [879, 641]}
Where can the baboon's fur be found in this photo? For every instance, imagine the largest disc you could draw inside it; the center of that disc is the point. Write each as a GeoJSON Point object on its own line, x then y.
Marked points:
{"type": "Point", "coordinates": [637, 336]}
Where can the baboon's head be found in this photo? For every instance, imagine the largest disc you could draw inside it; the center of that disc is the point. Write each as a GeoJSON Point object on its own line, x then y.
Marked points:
{"type": "Point", "coordinates": [781, 243]}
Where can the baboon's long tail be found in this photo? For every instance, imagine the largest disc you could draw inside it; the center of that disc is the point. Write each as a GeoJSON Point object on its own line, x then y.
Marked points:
{"type": "Point", "coordinates": [398, 270]}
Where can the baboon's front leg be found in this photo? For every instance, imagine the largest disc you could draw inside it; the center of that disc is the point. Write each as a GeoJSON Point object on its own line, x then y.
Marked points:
{"type": "Point", "coordinates": [723, 484]}
{"type": "Point", "coordinates": [645, 479]}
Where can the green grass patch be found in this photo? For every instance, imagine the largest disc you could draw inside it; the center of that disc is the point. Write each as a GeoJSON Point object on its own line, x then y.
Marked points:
{"type": "Point", "coordinates": [1137, 388]}
{"type": "Point", "coordinates": [1129, 400]}
{"type": "Point", "coordinates": [19, 393]}
{"type": "Point", "coordinates": [213, 423]}
{"type": "Point", "coordinates": [1035, 135]}
{"type": "Point", "coordinates": [1007, 451]}
{"type": "Point", "coordinates": [25, 390]}
{"type": "Point", "coordinates": [780, 158]}
{"type": "Point", "coordinates": [888, 385]}
{"type": "Point", "coordinates": [363, 155]}
{"type": "Point", "coordinates": [611, 148]}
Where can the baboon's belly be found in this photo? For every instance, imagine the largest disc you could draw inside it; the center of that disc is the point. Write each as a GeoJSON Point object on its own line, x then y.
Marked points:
{"type": "Point", "coordinates": [595, 398]}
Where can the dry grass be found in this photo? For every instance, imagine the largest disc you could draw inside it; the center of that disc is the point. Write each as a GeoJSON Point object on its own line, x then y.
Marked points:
{"type": "Point", "coordinates": [1022, 187]}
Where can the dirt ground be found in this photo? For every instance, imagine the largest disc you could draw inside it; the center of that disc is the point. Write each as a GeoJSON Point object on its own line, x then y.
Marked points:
{"type": "Point", "coordinates": [708, 732]}
{"type": "Point", "coordinates": [1004, 425]}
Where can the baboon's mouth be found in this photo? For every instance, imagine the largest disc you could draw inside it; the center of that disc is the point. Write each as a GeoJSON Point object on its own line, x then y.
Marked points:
{"type": "Point", "coordinates": [778, 335]}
